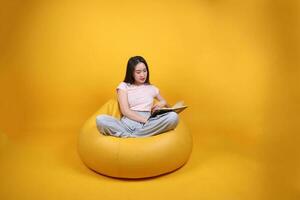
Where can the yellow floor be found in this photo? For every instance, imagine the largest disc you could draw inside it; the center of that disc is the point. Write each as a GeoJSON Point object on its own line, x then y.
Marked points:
{"type": "Point", "coordinates": [46, 165]}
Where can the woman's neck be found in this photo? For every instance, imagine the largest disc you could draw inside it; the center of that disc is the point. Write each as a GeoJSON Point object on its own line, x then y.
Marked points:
{"type": "Point", "coordinates": [138, 84]}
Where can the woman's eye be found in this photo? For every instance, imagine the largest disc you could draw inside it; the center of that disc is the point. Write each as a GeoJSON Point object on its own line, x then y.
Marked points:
{"type": "Point", "coordinates": [138, 72]}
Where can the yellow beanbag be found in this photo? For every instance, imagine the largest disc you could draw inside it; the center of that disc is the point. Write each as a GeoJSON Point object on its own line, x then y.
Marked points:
{"type": "Point", "coordinates": [132, 157]}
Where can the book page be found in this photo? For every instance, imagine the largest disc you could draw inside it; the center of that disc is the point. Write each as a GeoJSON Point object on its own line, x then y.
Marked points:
{"type": "Point", "coordinates": [178, 104]}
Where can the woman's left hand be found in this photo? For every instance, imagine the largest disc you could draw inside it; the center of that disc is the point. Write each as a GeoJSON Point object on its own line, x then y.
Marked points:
{"type": "Point", "coordinates": [156, 107]}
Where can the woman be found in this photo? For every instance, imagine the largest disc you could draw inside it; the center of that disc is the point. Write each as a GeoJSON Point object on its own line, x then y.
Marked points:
{"type": "Point", "coordinates": [135, 97]}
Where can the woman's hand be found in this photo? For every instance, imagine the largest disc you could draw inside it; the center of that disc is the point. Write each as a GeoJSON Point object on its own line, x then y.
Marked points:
{"type": "Point", "coordinates": [145, 120]}
{"type": "Point", "coordinates": [157, 106]}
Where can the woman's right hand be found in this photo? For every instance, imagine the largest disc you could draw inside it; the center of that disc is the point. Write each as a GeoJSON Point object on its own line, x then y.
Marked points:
{"type": "Point", "coordinates": [145, 121]}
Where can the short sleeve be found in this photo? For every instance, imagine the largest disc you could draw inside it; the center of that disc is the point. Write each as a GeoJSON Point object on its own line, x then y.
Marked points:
{"type": "Point", "coordinates": [122, 86]}
{"type": "Point", "coordinates": [156, 90]}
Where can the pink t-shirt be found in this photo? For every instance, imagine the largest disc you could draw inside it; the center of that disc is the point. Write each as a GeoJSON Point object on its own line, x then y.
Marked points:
{"type": "Point", "coordinates": [139, 97]}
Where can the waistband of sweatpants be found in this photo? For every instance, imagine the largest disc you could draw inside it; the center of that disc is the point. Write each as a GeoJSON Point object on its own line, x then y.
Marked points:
{"type": "Point", "coordinates": [140, 110]}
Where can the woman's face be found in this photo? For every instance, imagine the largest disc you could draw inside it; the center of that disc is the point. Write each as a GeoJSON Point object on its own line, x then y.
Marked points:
{"type": "Point", "coordinates": [140, 73]}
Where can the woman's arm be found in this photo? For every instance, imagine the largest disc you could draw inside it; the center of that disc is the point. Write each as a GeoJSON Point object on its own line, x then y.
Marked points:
{"type": "Point", "coordinates": [162, 103]}
{"type": "Point", "coordinates": [124, 106]}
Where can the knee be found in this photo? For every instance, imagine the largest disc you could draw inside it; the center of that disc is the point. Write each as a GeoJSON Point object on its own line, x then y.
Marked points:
{"type": "Point", "coordinates": [100, 120]}
{"type": "Point", "coordinates": [173, 118]}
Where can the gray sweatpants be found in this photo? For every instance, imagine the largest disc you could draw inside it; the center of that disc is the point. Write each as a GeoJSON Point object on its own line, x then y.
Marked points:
{"type": "Point", "coordinates": [126, 127]}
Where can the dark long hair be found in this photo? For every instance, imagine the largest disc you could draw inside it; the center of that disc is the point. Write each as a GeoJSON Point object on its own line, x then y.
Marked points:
{"type": "Point", "coordinates": [132, 62]}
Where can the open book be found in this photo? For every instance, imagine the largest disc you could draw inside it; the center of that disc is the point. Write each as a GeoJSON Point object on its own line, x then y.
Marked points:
{"type": "Point", "coordinates": [177, 107]}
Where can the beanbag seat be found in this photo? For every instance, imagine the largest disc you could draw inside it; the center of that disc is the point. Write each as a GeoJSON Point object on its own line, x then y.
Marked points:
{"type": "Point", "coordinates": [132, 157]}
